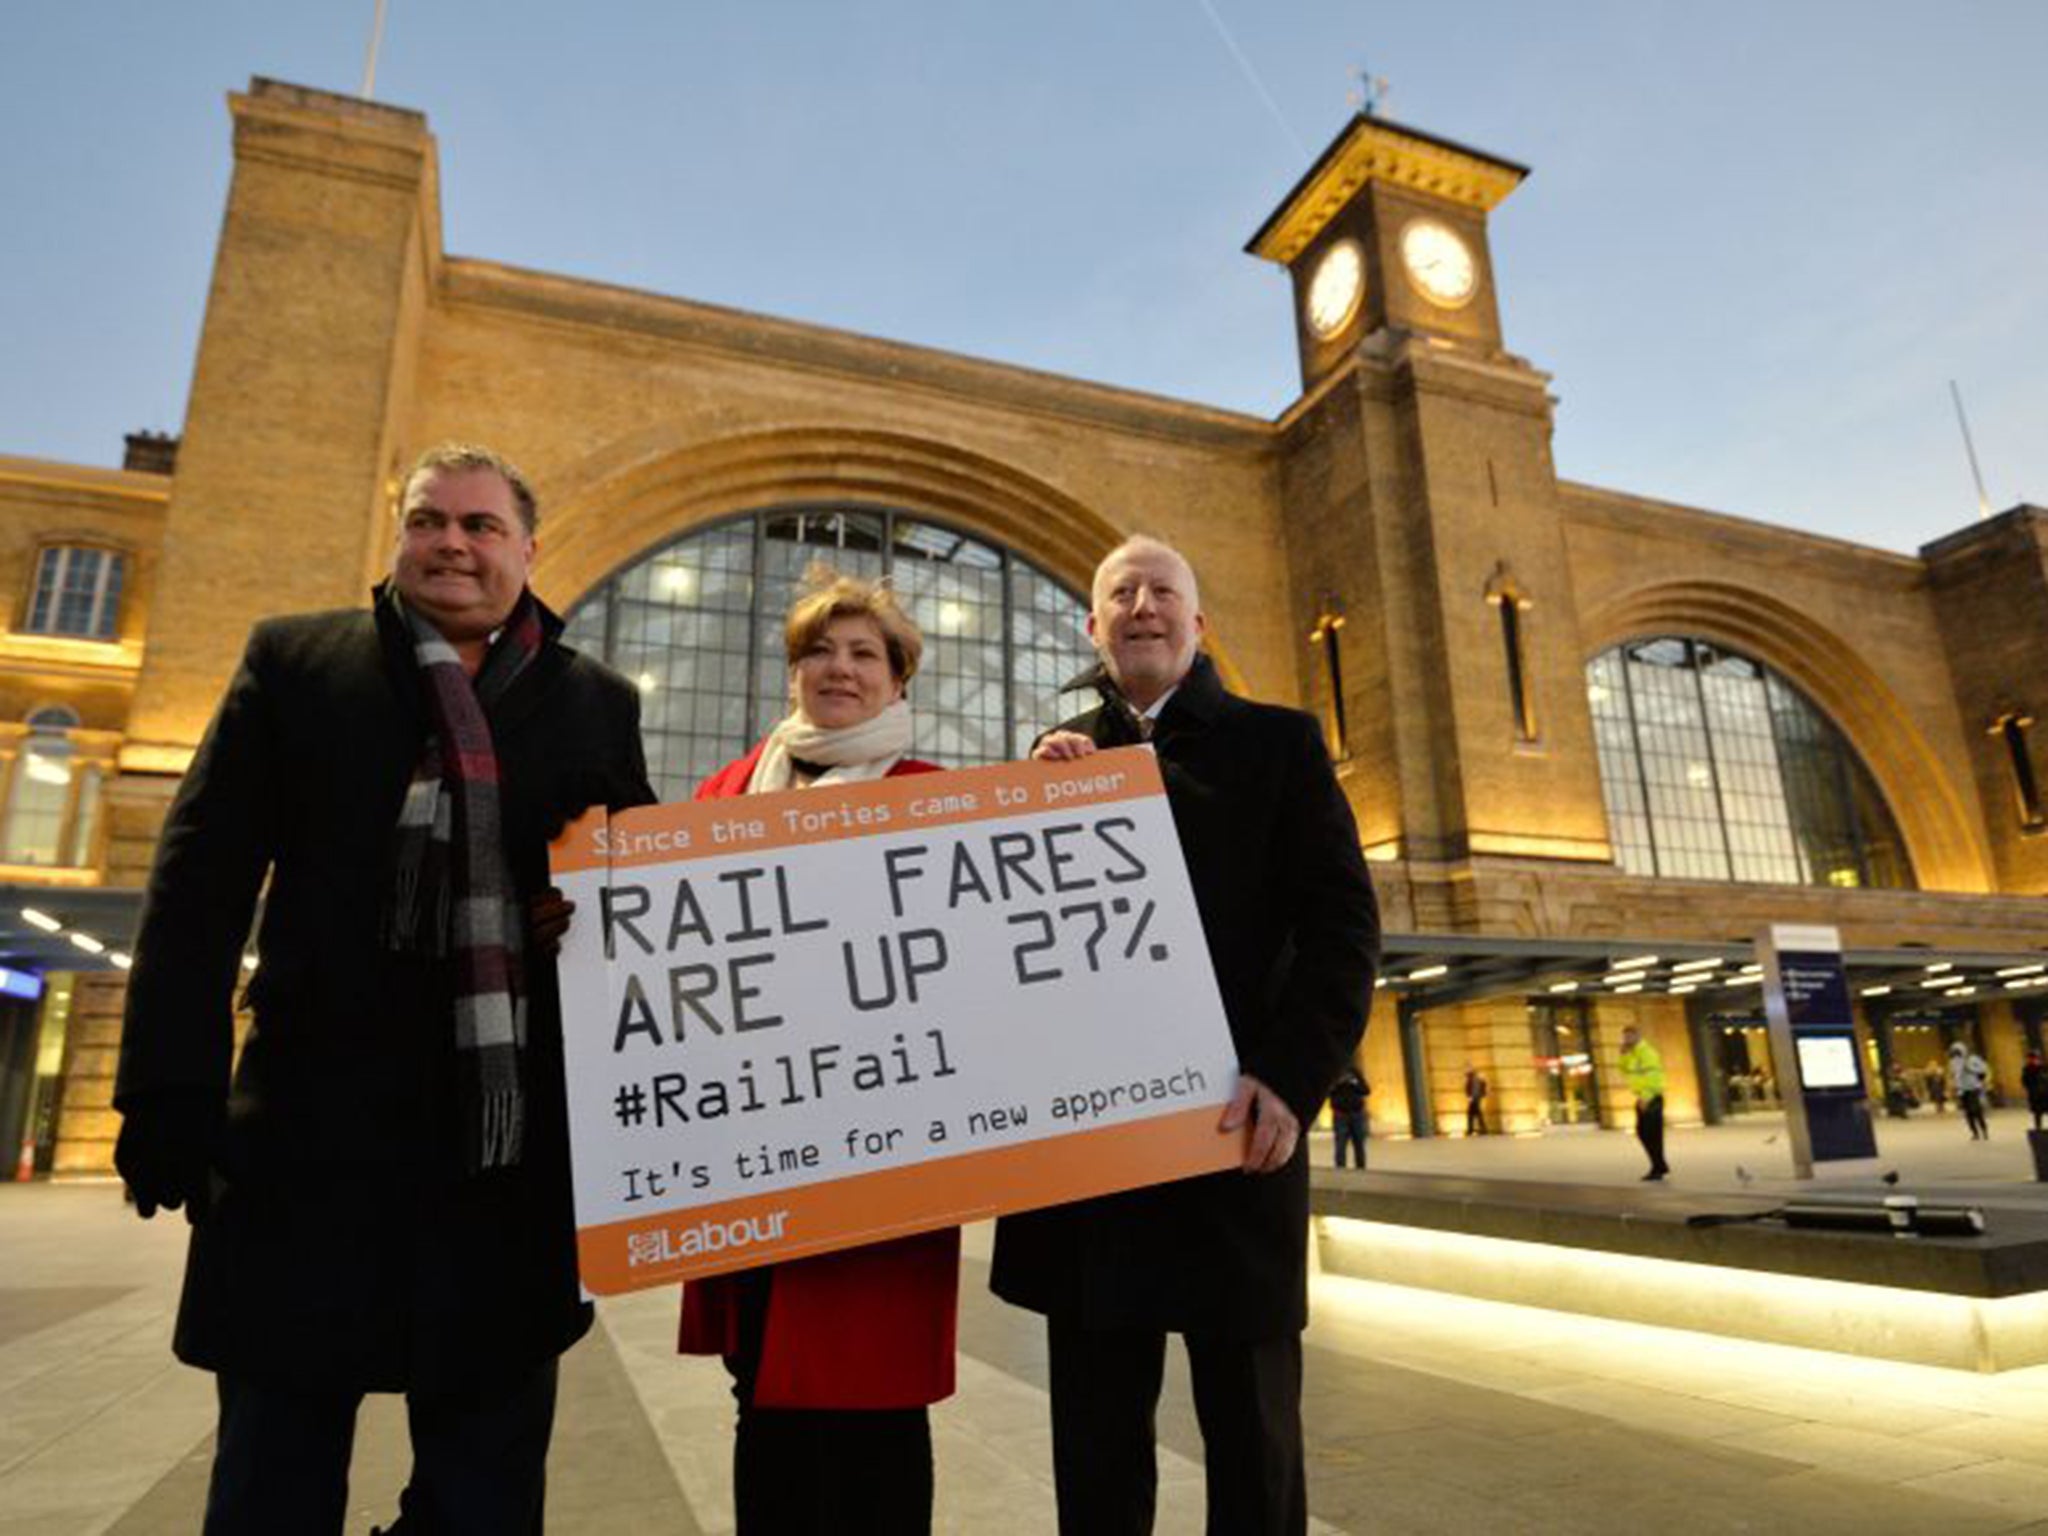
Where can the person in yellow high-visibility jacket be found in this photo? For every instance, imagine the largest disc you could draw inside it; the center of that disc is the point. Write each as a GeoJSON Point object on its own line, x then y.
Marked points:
{"type": "Point", "coordinates": [1643, 1069]}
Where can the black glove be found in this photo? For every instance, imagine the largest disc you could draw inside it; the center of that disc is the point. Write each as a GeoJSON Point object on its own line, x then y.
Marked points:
{"type": "Point", "coordinates": [547, 920]}
{"type": "Point", "coordinates": [165, 1152]}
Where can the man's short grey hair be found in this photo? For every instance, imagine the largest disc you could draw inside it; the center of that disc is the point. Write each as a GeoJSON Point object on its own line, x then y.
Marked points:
{"type": "Point", "coordinates": [459, 457]}
{"type": "Point", "coordinates": [1138, 541]}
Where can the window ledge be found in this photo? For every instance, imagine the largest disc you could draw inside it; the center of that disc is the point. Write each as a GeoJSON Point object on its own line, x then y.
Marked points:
{"type": "Point", "coordinates": [49, 874]}
{"type": "Point", "coordinates": [97, 656]}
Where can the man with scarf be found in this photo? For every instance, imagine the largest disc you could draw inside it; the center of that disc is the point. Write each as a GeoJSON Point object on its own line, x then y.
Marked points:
{"type": "Point", "coordinates": [381, 1201]}
{"type": "Point", "coordinates": [1293, 932]}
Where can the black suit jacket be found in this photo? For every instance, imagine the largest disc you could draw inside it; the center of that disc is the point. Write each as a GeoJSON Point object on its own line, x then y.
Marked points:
{"type": "Point", "coordinates": [347, 1246]}
{"type": "Point", "coordinates": [1293, 932]}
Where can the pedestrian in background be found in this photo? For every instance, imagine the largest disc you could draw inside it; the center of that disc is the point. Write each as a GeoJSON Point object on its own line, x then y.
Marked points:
{"type": "Point", "coordinates": [1475, 1101]}
{"type": "Point", "coordinates": [1970, 1075]}
{"type": "Point", "coordinates": [1347, 1113]}
{"type": "Point", "coordinates": [2034, 1078]}
{"type": "Point", "coordinates": [1643, 1069]}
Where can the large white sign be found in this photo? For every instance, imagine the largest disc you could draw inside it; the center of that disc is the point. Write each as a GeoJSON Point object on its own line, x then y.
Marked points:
{"type": "Point", "coordinates": [804, 1021]}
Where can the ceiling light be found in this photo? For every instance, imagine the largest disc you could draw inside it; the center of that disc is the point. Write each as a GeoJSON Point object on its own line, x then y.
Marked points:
{"type": "Point", "coordinates": [1695, 965]}
{"type": "Point", "coordinates": [1877, 991]}
{"type": "Point", "coordinates": [1428, 972]}
{"type": "Point", "coordinates": [1635, 964]}
{"type": "Point", "coordinates": [41, 920]}
{"type": "Point", "coordinates": [1564, 986]}
{"type": "Point", "coordinates": [1636, 986]}
{"type": "Point", "coordinates": [1939, 966]}
{"type": "Point", "coordinates": [2021, 970]}
{"type": "Point", "coordinates": [121, 958]}
{"type": "Point", "coordinates": [86, 942]}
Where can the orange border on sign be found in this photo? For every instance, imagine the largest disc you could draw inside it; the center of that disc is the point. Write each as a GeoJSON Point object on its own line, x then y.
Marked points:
{"type": "Point", "coordinates": [1132, 772]}
{"type": "Point", "coordinates": [894, 1202]}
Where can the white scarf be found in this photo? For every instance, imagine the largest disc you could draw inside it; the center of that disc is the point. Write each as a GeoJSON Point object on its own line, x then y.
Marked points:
{"type": "Point", "coordinates": [854, 753]}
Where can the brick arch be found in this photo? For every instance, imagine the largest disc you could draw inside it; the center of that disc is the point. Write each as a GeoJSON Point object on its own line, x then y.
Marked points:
{"type": "Point", "coordinates": [1946, 848]}
{"type": "Point", "coordinates": [635, 496]}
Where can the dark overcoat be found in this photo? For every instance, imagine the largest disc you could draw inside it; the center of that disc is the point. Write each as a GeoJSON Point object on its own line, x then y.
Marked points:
{"type": "Point", "coordinates": [347, 1247]}
{"type": "Point", "coordinates": [1293, 931]}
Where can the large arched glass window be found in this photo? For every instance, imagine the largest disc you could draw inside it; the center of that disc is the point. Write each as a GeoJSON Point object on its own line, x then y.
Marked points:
{"type": "Point", "coordinates": [1716, 768]}
{"type": "Point", "coordinates": [698, 625]}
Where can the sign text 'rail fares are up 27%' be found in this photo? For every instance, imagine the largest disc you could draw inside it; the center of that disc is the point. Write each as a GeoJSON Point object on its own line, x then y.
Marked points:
{"type": "Point", "coordinates": [804, 1021]}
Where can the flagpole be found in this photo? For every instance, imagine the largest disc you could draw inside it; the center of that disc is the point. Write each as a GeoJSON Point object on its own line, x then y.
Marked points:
{"type": "Point", "coordinates": [369, 89]}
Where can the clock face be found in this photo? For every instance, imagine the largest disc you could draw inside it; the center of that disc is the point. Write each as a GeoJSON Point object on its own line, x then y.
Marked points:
{"type": "Point", "coordinates": [1440, 265]}
{"type": "Point", "coordinates": [1336, 288]}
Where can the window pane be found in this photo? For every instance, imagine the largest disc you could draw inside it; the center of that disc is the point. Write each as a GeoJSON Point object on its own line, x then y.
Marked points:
{"type": "Point", "coordinates": [42, 789]}
{"type": "Point", "coordinates": [78, 592]}
{"type": "Point", "coordinates": [699, 626]}
{"type": "Point", "coordinates": [1713, 767]}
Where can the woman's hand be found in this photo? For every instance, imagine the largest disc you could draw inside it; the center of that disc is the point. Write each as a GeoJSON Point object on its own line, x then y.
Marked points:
{"type": "Point", "coordinates": [1062, 747]}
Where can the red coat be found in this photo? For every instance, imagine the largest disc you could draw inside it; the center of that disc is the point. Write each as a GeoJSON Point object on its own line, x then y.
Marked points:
{"type": "Point", "coordinates": [871, 1327]}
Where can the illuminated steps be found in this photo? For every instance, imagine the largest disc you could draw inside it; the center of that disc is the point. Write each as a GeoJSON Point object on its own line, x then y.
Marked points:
{"type": "Point", "coordinates": [1978, 1304]}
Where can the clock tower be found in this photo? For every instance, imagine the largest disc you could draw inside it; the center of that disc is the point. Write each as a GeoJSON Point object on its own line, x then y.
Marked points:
{"type": "Point", "coordinates": [1431, 579]}
{"type": "Point", "coordinates": [1387, 231]}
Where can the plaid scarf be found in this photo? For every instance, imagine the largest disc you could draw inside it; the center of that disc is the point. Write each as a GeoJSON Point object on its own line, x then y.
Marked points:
{"type": "Point", "coordinates": [451, 894]}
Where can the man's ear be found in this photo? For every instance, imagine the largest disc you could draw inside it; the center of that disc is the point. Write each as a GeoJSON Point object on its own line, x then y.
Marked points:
{"type": "Point", "coordinates": [1089, 624]}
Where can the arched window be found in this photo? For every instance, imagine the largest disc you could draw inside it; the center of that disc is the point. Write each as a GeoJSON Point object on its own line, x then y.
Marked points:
{"type": "Point", "coordinates": [698, 625]}
{"type": "Point", "coordinates": [53, 799]}
{"type": "Point", "coordinates": [77, 592]}
{"type": "Point", "coordinates": [1716, 768]}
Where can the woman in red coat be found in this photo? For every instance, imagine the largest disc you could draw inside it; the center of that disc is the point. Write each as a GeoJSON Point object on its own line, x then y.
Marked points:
{"type": "Point", "coordinates": [835, 1358]}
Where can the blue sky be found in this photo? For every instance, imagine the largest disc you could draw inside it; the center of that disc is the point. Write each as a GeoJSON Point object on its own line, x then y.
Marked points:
{"type": "Point", "coordinates": [1758, 241]}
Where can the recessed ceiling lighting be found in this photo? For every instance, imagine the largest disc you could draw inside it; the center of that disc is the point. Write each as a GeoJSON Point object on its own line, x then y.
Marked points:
{"type": "Point", "coordinates": [86, 942]}
{"type": "Point", "coordinates": [41, 920]}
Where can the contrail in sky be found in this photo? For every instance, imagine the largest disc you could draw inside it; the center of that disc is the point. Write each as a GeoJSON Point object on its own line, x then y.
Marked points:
{"type": "Point", "coordinates": [1252, 75]}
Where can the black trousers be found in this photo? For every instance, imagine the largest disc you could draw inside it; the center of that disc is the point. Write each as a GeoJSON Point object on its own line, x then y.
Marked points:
{"type": "Point", "coordinates": [1350, 1131]}
{"type": "Point", "coordinates": [1650, 1131]}
{"type": "Point", "coordinates": [1105, 1394]}
{"type": "Point", "coordinates": [822, 1471]}
{"type": "Point", "coordinates": [1972, 1100]}
{"type": "Point", "coordinates": [479, 1461]}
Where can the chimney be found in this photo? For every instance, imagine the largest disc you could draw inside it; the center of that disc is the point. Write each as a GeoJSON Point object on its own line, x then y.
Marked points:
{"type": "Point", "coordinates": [153, 453]}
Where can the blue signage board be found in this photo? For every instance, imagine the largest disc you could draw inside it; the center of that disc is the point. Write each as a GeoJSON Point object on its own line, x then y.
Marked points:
{"type": "Point", "coordinates": [1813, 1037]}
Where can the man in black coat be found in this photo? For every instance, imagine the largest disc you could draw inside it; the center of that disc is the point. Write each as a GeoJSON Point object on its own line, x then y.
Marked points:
{"type": "Point", "coordinates": [1293, 932]}
{"type": "Point", "coordinates": [381, 1202]}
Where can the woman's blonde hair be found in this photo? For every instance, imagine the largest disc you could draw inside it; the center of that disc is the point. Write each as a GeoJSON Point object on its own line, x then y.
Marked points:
{"type": "Point", "coordinates": [827, 595]}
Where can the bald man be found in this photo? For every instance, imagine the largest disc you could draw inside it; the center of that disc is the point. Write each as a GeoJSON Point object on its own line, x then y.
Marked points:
{"type": "Point", "coordinates": [1222, 1260]}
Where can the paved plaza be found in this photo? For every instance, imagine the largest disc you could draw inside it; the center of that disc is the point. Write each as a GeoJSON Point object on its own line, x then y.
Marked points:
{"type": "Point", "coordinates": [1425, 1412]}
